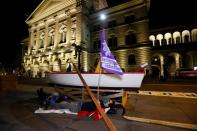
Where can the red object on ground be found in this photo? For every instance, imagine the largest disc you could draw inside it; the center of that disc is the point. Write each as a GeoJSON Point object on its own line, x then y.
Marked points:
{"type": "Point", "coordinates": [81, 114]}
{"type": "Point", "coordinates": [96, 115]}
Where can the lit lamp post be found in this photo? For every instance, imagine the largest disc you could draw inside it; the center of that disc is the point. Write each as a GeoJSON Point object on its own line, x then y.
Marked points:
{"type": "Point", "coordinates": [106, 119]}
{"type": "Point", "coordinates": [77, 53]}
{"type": "Point", "coordinates": [103, 17]}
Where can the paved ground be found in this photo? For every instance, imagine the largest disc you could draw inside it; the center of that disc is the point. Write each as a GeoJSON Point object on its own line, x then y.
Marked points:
{"type": "Point", "coordinates": [144, 113]}
{"type": "Point", "coordinates": [17, 114]}
{"type": "Point", "coordinates": [173, 111]}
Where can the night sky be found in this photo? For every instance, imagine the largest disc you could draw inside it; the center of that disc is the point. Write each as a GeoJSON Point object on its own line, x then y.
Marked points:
{"type": "Point", "coordinates": [172, 12]}
{"type": "Point", "coordinates": [13, 28]}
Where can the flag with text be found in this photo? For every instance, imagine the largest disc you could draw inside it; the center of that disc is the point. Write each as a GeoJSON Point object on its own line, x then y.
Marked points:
{"type": "Point", "coordinates": [108, 62]}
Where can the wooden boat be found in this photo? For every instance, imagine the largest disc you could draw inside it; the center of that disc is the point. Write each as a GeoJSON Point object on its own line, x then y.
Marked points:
{"type": "Point", "coordinates": [107, 80]}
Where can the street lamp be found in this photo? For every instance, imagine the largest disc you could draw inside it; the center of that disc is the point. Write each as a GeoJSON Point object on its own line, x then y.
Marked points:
{"type": "Point", "coordinates": [103, 17]}
{"type": "Point", "coordinates": [77, 54]}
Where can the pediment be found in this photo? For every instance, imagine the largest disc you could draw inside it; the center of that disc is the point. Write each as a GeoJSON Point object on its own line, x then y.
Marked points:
{"type": "Point", "coordinates": [46, 6]}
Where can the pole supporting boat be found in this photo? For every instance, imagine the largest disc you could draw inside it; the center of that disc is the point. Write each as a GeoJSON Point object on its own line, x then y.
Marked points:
{"type": "Point", "coordinates": [101, 111]}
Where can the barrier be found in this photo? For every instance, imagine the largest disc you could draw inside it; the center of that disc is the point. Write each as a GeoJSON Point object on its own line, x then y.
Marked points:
{"type": "Point", "coordinates": [8, 82]}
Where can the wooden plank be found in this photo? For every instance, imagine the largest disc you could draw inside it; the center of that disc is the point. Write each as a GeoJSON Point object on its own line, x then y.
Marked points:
{"type": "Point", "coordinates": [112, 95]}
{"type": "Point", "coordinates": [106, 90]}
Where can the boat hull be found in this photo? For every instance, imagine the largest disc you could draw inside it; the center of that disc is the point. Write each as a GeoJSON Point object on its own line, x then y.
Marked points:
{"type": "Point", "coordinates": [127, 80]}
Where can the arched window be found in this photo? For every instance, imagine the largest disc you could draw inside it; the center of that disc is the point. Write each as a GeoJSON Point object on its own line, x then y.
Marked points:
{"type": "Point", "coordinates": [178, 39]}
{"type": "Point", "coordinates": [131, 60]}
{"type": "Point", "coordinates": [34, 42]}
{"type": "Point", "coordinates": [130, 39]}
{"type": "Point", "coordinates": [163, 42]}
{"type": "Point", "coordinates": [170, 40]}
{"type": "Point", "coordinates": [62, 32]}
{"type": "Point", "coordinates": [168, 37]}
{"type": "Point", "coordinates": [194, 35]}
{"type": "Point", "coordinates": [152, 39]}
{"type": "Point", "coordinates": [155, 60]}
{"type": "Point", "coordinates": [159, 37]}
{"type": "Point", "coordinates": [186, 36]}
{"type": "Point", "coordinates": [157, 43]}
{"type": "Point", "coordinates": [112, 42]}
{"type": "Point", "coordinates": [129, 19]}
{"type": "Point", "coordinates": [50, 41]}
{"type": "Point", "coordinates": [150, 42]}
{"type": "Point", "coordinates": [111, 23]}
{"type": "Point", "coordinates": [51, 37]}
{"type": "Point", "coordinates": [41, 43]}
{"type": "Point", "coordinates": [42, 39]}
{"type": "Point", "coordinates": [186, 39]}
{"type": "Point", "coordinates": [96, 44]}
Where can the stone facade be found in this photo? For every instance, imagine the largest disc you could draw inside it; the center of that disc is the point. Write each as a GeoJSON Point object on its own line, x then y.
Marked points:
{"type": "Point", "coordinates": [70, 29]}
{"type": "Point", "coordinates": [173, 48]}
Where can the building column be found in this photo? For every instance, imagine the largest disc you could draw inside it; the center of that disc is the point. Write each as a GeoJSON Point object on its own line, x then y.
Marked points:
{"type": "Point", "coordinates": [161, 66]}
{"type": "Point", "coordinates": [56, 31]}
{"type": "Point", "coordinates": [68, 26]}
{"type": "Point", "coordinates": [37, 38]}
{"type": "Point", "coordinates": [177, 61]}
{"type": "Point", "coordinates": [46, 35]}
{"type": "Point", "coordinates": [82, 33]}
{"type": "Point", "coordinates": [78, 28]}
{"type": "Point", "coordinates": [31, 39]}
{"type": "Point", "coordinates": [143, 51]}
{"type": "Point", "coordinates": [143, 55]}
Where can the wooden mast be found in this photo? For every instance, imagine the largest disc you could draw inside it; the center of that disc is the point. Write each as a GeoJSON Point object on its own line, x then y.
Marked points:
{"type": "Point", "coordinates": [101, 111]}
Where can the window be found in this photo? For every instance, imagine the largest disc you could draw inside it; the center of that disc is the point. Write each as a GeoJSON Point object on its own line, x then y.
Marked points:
{"type": "Point", "coordinates": [96, 45]}
{"type": "Point", "coordinates": [112, 42]}
{"type": "Point", "coordinates": [51, 37]}
{"type": "Point", "coordinates": [62, 31]}
{"type": "Point", "coordinates": [96, 27]}
{"type": "Point", "coordinates": [129, 19]}
{"type": "Point", "coordinates": [163, 42]}
{"type": "Point", "coordinates": [130, 39]}
{"type": "Point", "coordinates": [34, 44]}
{"type": "Point", "coordinates": [42, 35]}
{"type": "Point", "coordinates": [112, 24]}
{"type": "Point", "coordinates": [63, 37]}
{"type": "Point", "coordinates": [186, 38]}
{"type": "Point", "coordinates": [131, 60]}
{"type": "Point", "coordinates": [151, 42]}
{"type": "Point", "coordinates": [51, 41]}
{"type": "Point", "coordinates": [178, 39]}
{"type": "Point", "coordinates": [157, 43]}
{"type": "Point", "coordinates": [170, 40]}
{"type": "Point", "coordinates": [41, 43]}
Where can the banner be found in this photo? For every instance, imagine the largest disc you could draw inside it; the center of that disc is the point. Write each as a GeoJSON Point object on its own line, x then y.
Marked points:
{"type": "Point", "coordinates": [108, 62]}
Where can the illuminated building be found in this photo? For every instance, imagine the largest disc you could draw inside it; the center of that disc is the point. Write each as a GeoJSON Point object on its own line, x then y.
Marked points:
{"type": "Point", "coordinates": [59, 30]}
{"type": "Point", "coordinates": [56, 25]}
{"type": "Point", "coordinates": [173, 48]}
